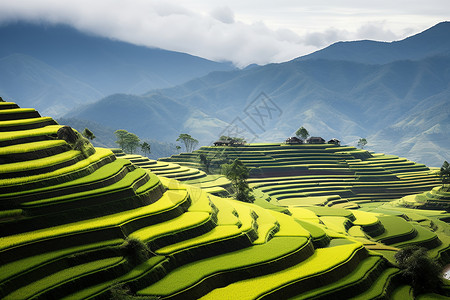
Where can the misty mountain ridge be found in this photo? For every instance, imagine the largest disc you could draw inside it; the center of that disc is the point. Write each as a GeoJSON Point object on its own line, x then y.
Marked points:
{"type": "Point", "coordinates": [399, 106]}
{"type": "Point", "coordinates": [431, 42]}
{"type": "Point", "coordinates": [54, 68]}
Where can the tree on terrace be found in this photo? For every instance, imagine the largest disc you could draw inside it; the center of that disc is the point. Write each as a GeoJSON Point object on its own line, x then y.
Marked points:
{"type": "Point", "coordinates": [205, 161]}
{"type": "Point", "coordinates": [419, 270]}
{"type": "Point", "coordinates": [444, 174]}
{"type": "Point", "coordinates": [302, 133]}
{"type": "Point", "coordinates": [362, 142]}
{"type": "Point", "coordinates": [88, 134]}
{"type": "Point", "coordinates": [126, 140]}
{"type": "Point", "coordinates": [145, 147]}
{"type": "Point", "coordinates": [188, 141]}
{"type": "Point", "coordinates": [237, 173]}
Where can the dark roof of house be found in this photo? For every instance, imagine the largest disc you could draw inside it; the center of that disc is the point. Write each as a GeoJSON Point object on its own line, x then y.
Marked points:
{"type": "Point", "coordinates": [223, 142]}
{"type": "Point", "coordinates": [294, 139]}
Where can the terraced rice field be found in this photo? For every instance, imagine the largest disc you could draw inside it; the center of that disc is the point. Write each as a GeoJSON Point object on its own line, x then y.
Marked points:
{"type": "Point", "coordinates": [214, 184]}
{"type": "Point", "coordinates": [338, 176]}
{"type": "Point", "coordinates": [78, 224]}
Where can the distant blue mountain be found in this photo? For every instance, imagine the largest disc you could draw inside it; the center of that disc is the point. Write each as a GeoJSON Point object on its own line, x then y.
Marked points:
{"type": "Point", "coordinates": [400, 106]}
{"type": "Point", "coordinates": [431, 42]}
{"type": "Point", "coordinates": [103, 65]}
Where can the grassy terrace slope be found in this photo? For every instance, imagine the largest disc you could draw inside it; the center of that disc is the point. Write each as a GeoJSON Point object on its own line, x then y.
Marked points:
{"type": "Point", "coordinates": [78, 223]}
{"type": "Point", "coordinates": [215, 184]}
{"type": "Point", "coordinates": [318, 184]}
{"type": "Point", "coordinates": [322, 173]}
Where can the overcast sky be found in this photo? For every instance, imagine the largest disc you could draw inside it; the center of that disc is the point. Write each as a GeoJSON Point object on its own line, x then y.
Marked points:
{"type": "Point", "coordinates": [245, 31]}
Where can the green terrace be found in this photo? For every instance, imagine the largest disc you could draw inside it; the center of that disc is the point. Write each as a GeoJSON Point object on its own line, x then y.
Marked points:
{"type": "Point", "coordinates": [102, 224]}
{"type": "Point", "coordinates": [302, 171]}
{"type": "Point", "coordinates": [216, 184]}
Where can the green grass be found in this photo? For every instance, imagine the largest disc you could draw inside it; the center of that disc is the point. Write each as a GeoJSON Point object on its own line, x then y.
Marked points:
{"type": "Point", "coordinates": [142, 272]}
{"type": "Point", "coordinates": [268, 225]}
{"type": "Point", "coordinates": [40, 264]}
{"type": "Point", "coordinates": [288, 226]}
{"type": "Point", "coordinates": [245, 215]}
{"type": "Point", "coordinates": [168, 201]}
{"type": "Point", "coordinates": [48, 131]}
{"type": "Point", "coordinates": [352, 284]}
{"type": "Point", "coordinates": [318, 235]}
{"type": "Point", "coordinates": [40, 163]}
{"type": "Point", "coordinates": [424, 237]}
{"type": "Point", "coordinates": [16, 110]}
{"type": "Point", "coordinates": [230, 267]}
{"type": "Point", "coordinates": [397, 230]}
{"type": "Point", "coordinates": [316, 265]}
{"type": "Point", "coordinates": [171, 227]}
{"type": "Point", "coordinates": [127, 183]}
{"type": "Point", "coordinates": [39, 286]}
{"type": "Point", "coordinates": [73, 169]}
{"type": "Point", "coordinates": [364, 218]}
{"type": "Point", "coordinates": [379, 287]}
{"type": "Point", "coordinates": [97, 178]}
{"type": "Point", "coordinates": [29, 147]}
{"type": "Point", "coordinates": [328, 211]}
{"type": "Point", "coordinates": [219, 233]}
{"type": "Point", "coordinates": [206, 244]}
{"type": "Point", "coordinates": [337, 224]}
{"type": "Point", "coordinates": [12, 123]}
{"type": "Point", "coordinates": [227, 214]}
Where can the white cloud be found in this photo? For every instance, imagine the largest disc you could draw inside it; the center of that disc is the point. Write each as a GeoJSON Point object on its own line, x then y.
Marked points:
{"type": "Point", "coordinates": [243, 32]}
{"type": "Point", "coordinates": [223, 14]}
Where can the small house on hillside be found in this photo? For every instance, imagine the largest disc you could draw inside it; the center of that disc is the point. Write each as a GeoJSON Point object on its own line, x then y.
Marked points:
{"type": "Point", "coordinates": [334, 142]}
{"type": "Point", "coordinates": [231, 142]}
{"type": "Point", "coordinates": [315, 140]}
{"type": "Point", "coordinates": [223, 143]}
{"type": "Point", "coordinates": [294, 140]}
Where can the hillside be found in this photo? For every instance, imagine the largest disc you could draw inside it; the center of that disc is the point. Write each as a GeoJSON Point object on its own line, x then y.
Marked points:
{"type": "Point", "coordinates": [155, 117]}
{"type": "Point", "coordinates": [329, 94]}
{"type": "Point", "coordinates": [431, 42]}
{"type": "Point", "coordinates": [45, 62]}
{"type": "Point", "coordinates": [346, 100]}
{"type": "Point", "coordinates": [77, 222]}
{"type": "Point", "coordinates": [105, 138]}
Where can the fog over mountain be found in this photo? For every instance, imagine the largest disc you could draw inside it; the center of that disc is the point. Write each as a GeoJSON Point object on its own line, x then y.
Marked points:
{"type": "Point", "coordinates": [394, 94]}
{"type": "Point", "coordinates": [54, 68]}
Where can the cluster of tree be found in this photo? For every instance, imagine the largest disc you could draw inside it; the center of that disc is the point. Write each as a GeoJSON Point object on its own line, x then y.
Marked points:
{"type": "Point", "coordinates": [205, 161]}
{"type": "Point", "coordinates": [129, 142]}
{"type": "Point", "coordinates": [237, 173]}
{"type": "Point", "coordinates": [419, 270]}
{"type": "Point", "coordinates": [212, 162]}
{"type": "Point", "coordinates": [189, 142]}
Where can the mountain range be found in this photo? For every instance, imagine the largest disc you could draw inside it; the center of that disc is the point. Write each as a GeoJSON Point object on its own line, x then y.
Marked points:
{"type": "Point", "coordinates": [395, 94]}
{"type": "Point", "coordinates": [56, 68]}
